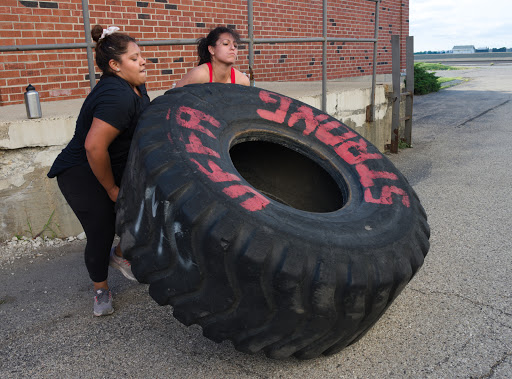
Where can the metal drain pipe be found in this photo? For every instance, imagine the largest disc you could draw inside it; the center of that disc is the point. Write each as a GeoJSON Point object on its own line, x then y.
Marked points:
{"type": "Point", "coordinates": [324, 56]}
{"type": "Point", "coordinates": [371, 117]}
{"type": "Point", "coordinates": [250, 34]}
{"type": "Point", "coordinates": [88, 40]}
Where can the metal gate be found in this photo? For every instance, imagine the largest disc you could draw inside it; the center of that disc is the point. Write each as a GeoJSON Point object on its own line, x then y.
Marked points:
{"type": "Point", "coordinates": [89, 44]}
{"type": "Point", "coordinates": [370, 116]}
{"type": "Point", "coordinates": [398, 94]}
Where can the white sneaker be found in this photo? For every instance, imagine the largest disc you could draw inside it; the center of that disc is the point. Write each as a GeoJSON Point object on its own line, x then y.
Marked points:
{"type": "Point", "coordinates": [121, 264]}
{"type": "Point", "coordinates": [103, 302]}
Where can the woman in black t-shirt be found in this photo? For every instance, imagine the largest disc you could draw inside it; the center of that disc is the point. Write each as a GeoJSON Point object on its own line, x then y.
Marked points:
{"type": "Point", "coordinates": [90, 168]}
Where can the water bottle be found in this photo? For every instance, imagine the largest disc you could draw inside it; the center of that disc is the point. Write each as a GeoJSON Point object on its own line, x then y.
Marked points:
{"type": "Point", "coordinates": [32, 102]}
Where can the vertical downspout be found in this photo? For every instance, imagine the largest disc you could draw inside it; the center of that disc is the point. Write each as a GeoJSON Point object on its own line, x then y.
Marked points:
{"type": "Point", "coordinates": [324, 56]}
{"type": "Point", "coordinates": [88, 39]}
{"type": "Point", "coordinates": [395, 116]}
{"type": "Point", "coordinates": [409, 88]}
{"type": "Point", "coordinates": [250, 32]}
{"type": "Point", "coordinates": [371, 117]}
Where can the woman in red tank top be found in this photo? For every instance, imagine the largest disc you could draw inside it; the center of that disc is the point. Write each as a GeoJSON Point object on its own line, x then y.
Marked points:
{"type": "Point", "coordinates": [217, 54]}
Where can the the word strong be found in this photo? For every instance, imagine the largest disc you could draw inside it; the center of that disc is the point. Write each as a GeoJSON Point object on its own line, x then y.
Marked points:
{"type": "Point", "coordinates": [346, 143]}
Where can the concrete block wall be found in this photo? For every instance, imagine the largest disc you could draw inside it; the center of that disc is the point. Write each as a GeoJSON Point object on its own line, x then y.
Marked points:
{"type": "Point", "coordinates": [63, 74]}
{"type": "Point", "coordinates": [28, 148]}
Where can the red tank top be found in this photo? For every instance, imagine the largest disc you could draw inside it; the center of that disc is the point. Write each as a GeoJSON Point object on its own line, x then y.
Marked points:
{"type": "Point", "coordinates": [211, 73]}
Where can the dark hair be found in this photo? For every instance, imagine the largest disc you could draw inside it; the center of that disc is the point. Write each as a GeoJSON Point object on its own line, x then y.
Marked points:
{"type": "Point", "coordinates": [109, 47]}
{"type": "Point", "coordinates": [210, 40]}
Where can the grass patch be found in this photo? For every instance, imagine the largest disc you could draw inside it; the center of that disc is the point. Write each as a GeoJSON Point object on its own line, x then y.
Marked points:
{"type": "Point", "coordinates": [403, 145]}
{"type": "Point", "coordinates": [426, 81]}
{"type": "Point", "coordinates": [48, 229]}
{"type": "Point", "coordinates": [442, 81]}
{"type": "Point", "coordinates": [438, 66]}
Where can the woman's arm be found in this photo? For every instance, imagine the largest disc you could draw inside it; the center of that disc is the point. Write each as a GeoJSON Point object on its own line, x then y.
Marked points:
{"type": "Point", "coordinates": [199, 74]}
{"type": "Point", "coordinates": [241, 78]}
{"type": "Point", "coordinates": [98, 140]}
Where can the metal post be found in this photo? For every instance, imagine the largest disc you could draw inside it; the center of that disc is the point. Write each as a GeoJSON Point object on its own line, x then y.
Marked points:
{"type": "Point", "coordinates": [395, 115]}
{"type": "Point", "coordinates": [324, 56]}
{"type": "Point", "coordinates": [88, 39]}
{"type": "Point", "coordinates": [250, 34]}
{"type": "Point", "coordinates": [370, 117]}
{"type": "Point", "coordinates": [409, 88]}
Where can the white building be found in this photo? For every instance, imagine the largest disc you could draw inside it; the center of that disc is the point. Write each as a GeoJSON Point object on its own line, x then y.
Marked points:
{"type": "Point", "coordinates": [464, 49]}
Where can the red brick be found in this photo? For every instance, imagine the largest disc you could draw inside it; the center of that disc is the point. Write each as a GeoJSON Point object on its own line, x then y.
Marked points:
{"type": "Point", "coordinates": [9, 17]}
{"type": "Point", "coordinates": [286, 18]}
{"type": "Point", "coordinates": [14, 66]}
{"type": "Point", "coordinates": [9, 73]}
{"type": "Point", "coordinates": [16, 98]}
{"type": "Point", "coordinates": [6, 26]}
{"type": "Point", "coordinates": [9, 58]}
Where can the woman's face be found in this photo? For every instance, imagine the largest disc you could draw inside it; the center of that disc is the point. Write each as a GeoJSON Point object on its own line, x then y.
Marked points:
{"type": "Point", "coordinates": [132, 67]}
{"type": "Point", "coordinates": [225, 49]}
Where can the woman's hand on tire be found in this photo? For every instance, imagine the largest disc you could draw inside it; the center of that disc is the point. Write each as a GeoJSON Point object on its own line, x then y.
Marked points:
{"type": "Point", "coordinates": [113, 193]}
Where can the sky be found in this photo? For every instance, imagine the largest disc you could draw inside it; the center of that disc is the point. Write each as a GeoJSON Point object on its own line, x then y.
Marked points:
{"type": "Point", "coordinates": [441, 24]}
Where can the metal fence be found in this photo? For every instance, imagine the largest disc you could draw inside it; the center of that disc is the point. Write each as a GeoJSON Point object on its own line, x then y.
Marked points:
{"type": "Point", "coordinates": [89, 44]}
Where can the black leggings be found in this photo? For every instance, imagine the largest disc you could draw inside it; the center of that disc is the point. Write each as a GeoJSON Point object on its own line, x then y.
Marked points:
{"type": "Point", "coordinates": [96, 212]}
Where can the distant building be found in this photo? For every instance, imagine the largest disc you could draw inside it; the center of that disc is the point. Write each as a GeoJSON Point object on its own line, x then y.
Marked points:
{"type": "Point", "coordinates": [464, 49]}
{"type": "Point", "coordinates": [482, 50]}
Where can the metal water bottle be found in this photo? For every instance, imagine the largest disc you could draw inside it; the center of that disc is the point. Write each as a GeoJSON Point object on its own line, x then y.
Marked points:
{"type": "Point", "coordinates": [32, 102]}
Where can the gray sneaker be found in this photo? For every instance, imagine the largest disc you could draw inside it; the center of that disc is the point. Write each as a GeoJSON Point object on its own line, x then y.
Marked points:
{"type": "Point", "coordinates": [103, 302]}
{"type": "Point", "coordinates": [121, 264]}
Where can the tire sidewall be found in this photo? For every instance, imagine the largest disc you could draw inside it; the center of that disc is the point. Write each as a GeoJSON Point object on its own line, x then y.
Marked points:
{"type": "Point", "coordinates": [229, 117]}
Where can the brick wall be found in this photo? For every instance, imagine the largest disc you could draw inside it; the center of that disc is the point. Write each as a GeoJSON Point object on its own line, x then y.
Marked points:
{"type": "Point", "coordinates": [63, 74]}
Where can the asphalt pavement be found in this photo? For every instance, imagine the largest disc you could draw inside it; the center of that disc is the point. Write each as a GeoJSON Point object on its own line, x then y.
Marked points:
{"type": "Point", "coordinates": [453, 320]}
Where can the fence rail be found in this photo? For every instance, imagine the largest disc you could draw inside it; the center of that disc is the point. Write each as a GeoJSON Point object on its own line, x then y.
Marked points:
{"type": "Point", "coordinates": [88, 45]}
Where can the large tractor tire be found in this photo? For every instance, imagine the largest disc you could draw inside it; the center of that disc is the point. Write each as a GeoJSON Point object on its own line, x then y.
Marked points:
{"type": "Point", "coordinates": [266, 221]}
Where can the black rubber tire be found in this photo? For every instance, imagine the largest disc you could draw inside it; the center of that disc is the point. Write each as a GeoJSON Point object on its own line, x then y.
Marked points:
{"type": "Point", "coordinates": [265, 221]}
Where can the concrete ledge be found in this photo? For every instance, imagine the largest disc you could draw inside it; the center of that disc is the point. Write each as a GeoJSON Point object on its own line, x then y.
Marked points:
{"type": "Point", "coordinates": [346, 100]}
{"type": "Point", "coordinates": [38, 132]}
{"type": "Point", "coordinates": [29, 147]}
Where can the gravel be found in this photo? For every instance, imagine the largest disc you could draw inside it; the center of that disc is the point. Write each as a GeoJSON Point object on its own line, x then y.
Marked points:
{"type": "Point", "coordinates": [27, 247]}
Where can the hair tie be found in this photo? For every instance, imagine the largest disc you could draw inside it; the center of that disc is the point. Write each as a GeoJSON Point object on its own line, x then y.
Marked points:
{"type": "Point", "coordinates": [110, 30]}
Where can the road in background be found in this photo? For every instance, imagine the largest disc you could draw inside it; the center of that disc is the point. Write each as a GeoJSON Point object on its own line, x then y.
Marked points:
{"type": "Point", "coordinates": [453, 320]}
{"type": "Point", "coordinates": [476, 59]}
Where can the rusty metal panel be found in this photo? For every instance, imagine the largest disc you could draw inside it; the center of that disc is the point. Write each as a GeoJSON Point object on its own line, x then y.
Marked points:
{"type": "Point", "coordinates": [395, 116]}
{"type": "Point", "coordinates": [409, 88]}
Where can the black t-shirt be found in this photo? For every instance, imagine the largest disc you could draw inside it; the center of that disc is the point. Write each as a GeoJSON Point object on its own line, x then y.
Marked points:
{"type": "Point", "coordinates": [112, 100]}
